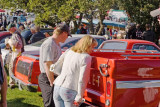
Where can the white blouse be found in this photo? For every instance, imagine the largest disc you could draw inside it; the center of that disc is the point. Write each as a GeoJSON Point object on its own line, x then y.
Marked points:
{"type": "Point", "coordinates": [75, 72]}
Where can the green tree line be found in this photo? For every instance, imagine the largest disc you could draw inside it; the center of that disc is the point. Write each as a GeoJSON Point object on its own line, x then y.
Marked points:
{"type": "Point", "coordinates": [56, 11]}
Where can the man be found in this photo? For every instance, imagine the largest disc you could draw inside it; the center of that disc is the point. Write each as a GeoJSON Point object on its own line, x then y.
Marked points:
{"type": "Point", "coordinates": [17, 47]}
{"type": "Point", "coordinates": [37, 36]}
{"type": "Point", "coordinates": [138, 32]}
{"type": "Point", "coordinates": [32, 29]}
{"type": "Point", "coordinates": [149, 34]}
{"type": "Point", "coordinates": [50, 51]}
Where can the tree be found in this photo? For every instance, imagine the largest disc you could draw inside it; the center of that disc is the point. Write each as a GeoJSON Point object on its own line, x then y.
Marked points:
{"type": "Point", "coordinates": [67, 13]}
{"type": "Point", "coordinates": [56, 11]}
{"type": "Point", "coordinates": [87, 7]}
{"type": "Point", "coordinates": [45, 10]}
{"type": "Point", "coordinates": [103, 6]}
{"type": "Point", "coordinates": [139, 10]}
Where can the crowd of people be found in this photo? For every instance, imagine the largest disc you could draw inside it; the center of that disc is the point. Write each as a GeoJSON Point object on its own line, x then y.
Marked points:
{"type": "Point", "coordinates": [136, 32]}
{"type": "Point", "coordinates": [60, 91]}
{"type": "Point", "coordinates": [68, 88]}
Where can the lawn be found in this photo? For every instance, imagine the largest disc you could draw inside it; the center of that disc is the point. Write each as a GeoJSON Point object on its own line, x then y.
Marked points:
{"type": "Point", "coordinates": [18, 98]}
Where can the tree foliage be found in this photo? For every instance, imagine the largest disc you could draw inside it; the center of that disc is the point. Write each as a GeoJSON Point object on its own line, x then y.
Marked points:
{"type": "Point", "coordinates": [55, 11]}
{"type": "Point", "coordinates": [139, 10]}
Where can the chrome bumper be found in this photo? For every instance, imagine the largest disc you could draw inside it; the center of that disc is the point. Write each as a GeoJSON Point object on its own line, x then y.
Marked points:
{"type": "Point", "coordinates": [23, 85]}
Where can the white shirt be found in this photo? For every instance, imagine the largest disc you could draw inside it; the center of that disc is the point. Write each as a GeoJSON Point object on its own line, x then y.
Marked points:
{"type": "Point", "coordinates": [75, 72]}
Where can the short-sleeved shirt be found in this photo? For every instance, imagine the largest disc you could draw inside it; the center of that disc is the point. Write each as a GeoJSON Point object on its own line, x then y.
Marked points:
{"type": "Point", "coordinates": [49, 51]}
{"type": "Point", "coordinates": [37, 37]}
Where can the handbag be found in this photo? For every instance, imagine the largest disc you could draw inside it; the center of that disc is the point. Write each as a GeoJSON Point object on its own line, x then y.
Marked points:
{"type": "Point", "coordinates": [56, 68]}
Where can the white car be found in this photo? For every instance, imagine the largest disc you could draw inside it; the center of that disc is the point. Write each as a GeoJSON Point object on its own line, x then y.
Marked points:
{"type": "Point", "coordinates": [33, 49]}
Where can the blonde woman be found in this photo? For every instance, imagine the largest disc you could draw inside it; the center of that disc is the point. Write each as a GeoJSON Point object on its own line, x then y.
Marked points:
{"type": "Point", "coordinates": [71, 83]}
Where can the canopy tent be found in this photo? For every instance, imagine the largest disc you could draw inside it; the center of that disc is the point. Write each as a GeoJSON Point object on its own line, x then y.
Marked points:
{"type": "Point", "coordinates": [118, 14]}
{"type": "Point", "coordinates": [107, 23]}
{"type": "Point", "coordinates": [2, 10]}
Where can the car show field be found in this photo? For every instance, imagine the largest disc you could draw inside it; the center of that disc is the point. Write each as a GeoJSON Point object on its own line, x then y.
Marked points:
{"type": "Point", "coordinates": [23, 98]}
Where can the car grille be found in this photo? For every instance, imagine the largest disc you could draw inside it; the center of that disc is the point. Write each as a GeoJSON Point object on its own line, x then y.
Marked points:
{"type": "Point", "coordinates": [23, 67]}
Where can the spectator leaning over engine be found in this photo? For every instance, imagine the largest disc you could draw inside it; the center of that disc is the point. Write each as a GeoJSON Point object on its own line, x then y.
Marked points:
{"type": "Point", "coordinates": [50, 51]}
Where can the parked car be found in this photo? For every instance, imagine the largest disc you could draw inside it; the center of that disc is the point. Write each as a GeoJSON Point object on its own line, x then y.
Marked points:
{"type": "Point", "coordinates": [3, 36]}
{"type": "Point", "coordinates": [26, 68]}
{"type": "Point", "coordinates": [124, 73]}
{"type": "Point", "coordinates": [127, 76]}
{"type": "Point", "coordinates": [129, 46]}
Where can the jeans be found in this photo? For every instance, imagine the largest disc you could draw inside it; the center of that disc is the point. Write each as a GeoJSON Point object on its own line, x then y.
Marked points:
{"type": "Point", "coordinates": [64, 97]}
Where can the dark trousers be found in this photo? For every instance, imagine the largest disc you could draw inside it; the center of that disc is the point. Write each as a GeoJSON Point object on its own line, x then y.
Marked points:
{"type": "Point", "coordinates": [46, 89]}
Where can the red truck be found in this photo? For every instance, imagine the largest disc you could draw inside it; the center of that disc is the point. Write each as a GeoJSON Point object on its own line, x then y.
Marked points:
{"type": "Point", "coordinates": [124, 73]}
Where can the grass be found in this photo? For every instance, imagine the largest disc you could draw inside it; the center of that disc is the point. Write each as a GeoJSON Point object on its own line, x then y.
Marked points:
{"type": "Point", "coordinates": [24, 98]}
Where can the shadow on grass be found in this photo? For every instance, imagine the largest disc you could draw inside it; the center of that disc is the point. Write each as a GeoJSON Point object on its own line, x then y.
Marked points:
{"type": "Point", "coordinates": [18, 102]}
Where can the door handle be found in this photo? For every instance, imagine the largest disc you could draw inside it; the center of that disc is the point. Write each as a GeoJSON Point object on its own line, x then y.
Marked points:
{"type": "Point", "coordinates": [106, 71]}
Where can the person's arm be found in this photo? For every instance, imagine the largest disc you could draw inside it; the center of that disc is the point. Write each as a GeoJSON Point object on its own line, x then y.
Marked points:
{"type": "Point", "coordinates": [31, 39]}
{"type": "Point", "coordinates": [4, 86]}
{"type": "Point", "coordinates": [48, 58]}
{"type": "Point", "coordinates": [49, 74]}
{"type": "Point", "coordinates": [83, 78]}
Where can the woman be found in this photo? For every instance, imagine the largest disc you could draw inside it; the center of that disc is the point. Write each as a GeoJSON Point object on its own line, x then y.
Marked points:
{"type": "Point", "coordinates": [71, 83]}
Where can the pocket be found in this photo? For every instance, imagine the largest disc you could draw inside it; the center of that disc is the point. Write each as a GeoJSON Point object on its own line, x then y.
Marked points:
{"type": "Point", "coordinates": [67, 95]}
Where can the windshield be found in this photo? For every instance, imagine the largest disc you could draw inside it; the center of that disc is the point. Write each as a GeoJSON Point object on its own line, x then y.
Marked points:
{"type": "Point", "coordinates": [114, 45]}
{"type": "Point", "coordinates": [39, 43]}
{"type": "Point", "coordinates": [147, 48]}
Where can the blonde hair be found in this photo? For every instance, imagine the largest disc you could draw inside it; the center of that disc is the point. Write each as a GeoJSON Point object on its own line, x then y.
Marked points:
{"type": "Point", "coordinates": [84, 45]}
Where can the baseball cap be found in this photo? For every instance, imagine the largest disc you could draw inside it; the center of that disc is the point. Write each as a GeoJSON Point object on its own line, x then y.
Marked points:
{"type": "Point", "coordinates": [64, 28]}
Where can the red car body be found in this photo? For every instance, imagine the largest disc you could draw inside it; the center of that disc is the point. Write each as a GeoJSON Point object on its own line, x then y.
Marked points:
{"type": "Point", "coordinates": [3, 35]}
{"type": "Point", "coordinates": [118, 78]}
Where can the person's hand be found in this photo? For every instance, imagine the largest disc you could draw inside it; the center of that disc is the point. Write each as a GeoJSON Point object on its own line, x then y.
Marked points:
{"type": "Point", "coordinates": [51, 84]}
{"type": "Point", "coordinates": [29, 41]}
{"type": "Point", "coordinates": [76, 103]}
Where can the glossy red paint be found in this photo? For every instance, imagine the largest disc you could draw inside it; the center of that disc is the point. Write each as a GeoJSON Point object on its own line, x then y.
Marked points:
{"type": "Point", "coordinates": [4, 34]}
{"type": "Point", "coordinates": [133, 69]}
{"type": "Point", "coordinates": [133, 81]}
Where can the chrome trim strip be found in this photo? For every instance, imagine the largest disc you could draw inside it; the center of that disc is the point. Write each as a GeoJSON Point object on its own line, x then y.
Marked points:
{"type": "Point", "coordinates": [142, 55]}
{"type": "Point", "coordinates": [30, 72]}
{"type": "Point", "coordinates": [31, 56]}
{"type": "Point", "coordinates": [137, 84]}
{"type": "Point", "coordinates": [20, 81]}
